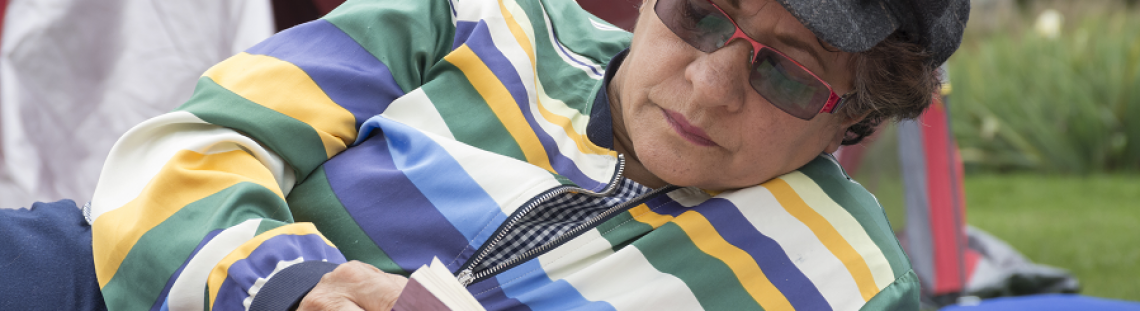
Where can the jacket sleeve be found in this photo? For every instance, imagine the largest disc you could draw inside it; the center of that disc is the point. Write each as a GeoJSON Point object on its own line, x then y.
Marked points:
{"type": "Point", "coordinates": [190, 211]}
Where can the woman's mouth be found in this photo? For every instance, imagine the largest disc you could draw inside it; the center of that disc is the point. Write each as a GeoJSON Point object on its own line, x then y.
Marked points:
{"type": "Point", "coordinates": [688, 131]}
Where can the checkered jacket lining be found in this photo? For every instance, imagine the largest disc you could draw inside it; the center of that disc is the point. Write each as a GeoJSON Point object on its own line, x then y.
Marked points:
{"type": "Point", "coordinates": [555, 217]}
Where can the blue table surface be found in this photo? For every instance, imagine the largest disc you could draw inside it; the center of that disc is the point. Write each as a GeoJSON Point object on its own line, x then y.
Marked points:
{"type": "Point", "coordinates": [1049, 302]}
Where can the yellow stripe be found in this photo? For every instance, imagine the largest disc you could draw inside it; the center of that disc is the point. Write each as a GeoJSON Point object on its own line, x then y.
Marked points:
{"type": "Point", "coordinates": [845, 224]}
{"type": "Point", "coordinates": [643, 214]}
{"type": "Point", "coordinates": [583, 143]}
{"type": "Point", "coordinates": [827, 235]}
{"type": "Point", "coordinates": [501, 102]}
{"type": "Point", "coordinates": [704, 235]}
{"type": "Point", "coordinates": [221, 270]}
{"type": "Point", "coordinates": [188, 177]}
{"type": "Point", "coordinates": [286, 88]}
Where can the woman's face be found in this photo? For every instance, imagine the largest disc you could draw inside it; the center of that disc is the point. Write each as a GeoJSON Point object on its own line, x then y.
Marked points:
{"type": "Point", "coordinates": [691, 118]}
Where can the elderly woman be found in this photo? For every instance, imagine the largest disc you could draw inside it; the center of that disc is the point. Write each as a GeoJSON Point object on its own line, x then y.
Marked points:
{"type": "Point", "coordinates": [549, 160]}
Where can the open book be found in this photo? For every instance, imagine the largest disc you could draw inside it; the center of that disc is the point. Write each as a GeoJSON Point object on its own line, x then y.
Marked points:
{"type": "Point", "coordinates": [432, 288]}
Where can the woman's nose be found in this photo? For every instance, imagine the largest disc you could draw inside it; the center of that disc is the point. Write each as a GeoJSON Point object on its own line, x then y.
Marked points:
{"type": "Point", "coordinates": [721, 77]}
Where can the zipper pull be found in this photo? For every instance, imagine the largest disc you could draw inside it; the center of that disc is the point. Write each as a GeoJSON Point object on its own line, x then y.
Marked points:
{"type": "Point", "coordinates": [465, 277]}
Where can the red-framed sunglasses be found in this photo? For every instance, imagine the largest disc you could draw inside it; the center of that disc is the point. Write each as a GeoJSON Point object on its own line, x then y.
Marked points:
{"type": "Point", "coordinates": [775, 76]}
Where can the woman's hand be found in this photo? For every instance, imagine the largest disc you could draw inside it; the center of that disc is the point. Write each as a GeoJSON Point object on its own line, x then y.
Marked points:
{"type": "Point", "coordinates": [355, 286]}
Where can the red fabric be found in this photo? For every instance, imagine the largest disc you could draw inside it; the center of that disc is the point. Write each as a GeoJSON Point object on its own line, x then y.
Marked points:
{"type": "Point", "coordinates": [972, 257]}
{"type": "Point", "coordinates": [3, 16]}
{"type": "Point", "coordinates": [621, 13]}
{"type": "Point", "coordinates": [326, 6]}
{"type": "Point", "coordinates": [851, 157]}
{"type": "Point", "coordinates": [289, 13]}
{"type": "Point", "coordinates": [943, 183]}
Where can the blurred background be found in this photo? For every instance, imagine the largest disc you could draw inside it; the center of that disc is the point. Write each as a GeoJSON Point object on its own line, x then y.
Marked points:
{"type": "Point", "coordinates": [1046, 110]}
{"type": "Point", "coordinates": [1041, 118]}
{"type": "Point", "coordinates": [1044, 102]}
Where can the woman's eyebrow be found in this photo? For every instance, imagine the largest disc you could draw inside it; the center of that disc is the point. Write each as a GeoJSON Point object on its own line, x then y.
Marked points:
{"type": "Point", "coordinates": [793, 41]}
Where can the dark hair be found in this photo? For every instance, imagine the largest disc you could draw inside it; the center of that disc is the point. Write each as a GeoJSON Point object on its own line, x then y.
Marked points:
{"type": "Point", "coordinates": [894, 80]}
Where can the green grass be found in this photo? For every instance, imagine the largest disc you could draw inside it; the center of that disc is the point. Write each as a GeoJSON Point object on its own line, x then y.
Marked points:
{"type": "Point", "coordinates": [1087, 225]}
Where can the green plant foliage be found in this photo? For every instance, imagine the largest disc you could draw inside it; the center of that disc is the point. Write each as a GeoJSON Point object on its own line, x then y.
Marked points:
{"type": "Point", "coordinates": [1069, 104]}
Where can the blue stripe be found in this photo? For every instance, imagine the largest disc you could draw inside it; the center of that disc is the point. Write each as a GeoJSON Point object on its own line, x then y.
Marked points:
{"type": "Point", "coordinates": [529, 284]}
{"type": "Point", "coordinates": [263, 260]}
{"type": "Point", "coordinates": [390, 209]}
{"type": "Point", "coordinates": [442, 181]}
{"type": "Point", "coordinates": [665, 205]}
{"type": "Point", "coordinates": [345, 71]}
{"type": "Point", "coordinates": [736, 230]}
{"type": "Point", "coordinates": [491, 296]}
{"type": "Point", "coordinates": [562, 49]}
{"type": "Point", "coordinates": [162, 296]}
{"type": "Point", "coordinates": [480, 42]}
{"type": "Point", "coordinates": [462, 33]}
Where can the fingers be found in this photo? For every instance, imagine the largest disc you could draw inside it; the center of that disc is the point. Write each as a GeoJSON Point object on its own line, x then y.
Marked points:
{"type": "Point", "coordinates": [355, 286]}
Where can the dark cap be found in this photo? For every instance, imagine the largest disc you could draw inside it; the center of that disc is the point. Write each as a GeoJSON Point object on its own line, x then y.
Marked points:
{"type": "Point", "coordinates": [857, 25]}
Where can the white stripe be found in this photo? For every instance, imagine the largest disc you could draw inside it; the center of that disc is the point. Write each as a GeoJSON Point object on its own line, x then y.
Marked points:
{"type": "Point", "coordinates": [578, 121]}
{"type": "Point", "coordinates": [582, 251]}
{"type": "Point", "coordinates": [489, 170]}
{"type": "Point", "coordinates": [627, 281]}
{"type": "Point", "coordinates": [256, 287]}
{"type": "Point", "coordinates": [416, 110]}
{"type": "Point", "coordinates": [604, 27]}
{"type": "Point", "coordinates": [602, 165]}
{"type": "Point", "coordinates": [689, 196]}
{"type": "Point", "coordinates": [188, 291]}
{"type": "Point", "coordinates": [846, 224]}
{"type": "Point", "coordinates": [800, 244]}
{"type": "Point", "coordinates": [142, 152]}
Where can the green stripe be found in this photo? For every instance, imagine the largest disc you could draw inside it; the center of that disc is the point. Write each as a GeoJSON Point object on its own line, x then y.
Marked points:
{"type": "Point", "coordinates": [268, 224]}
{"type": "Point", "coordinates": [863, 206]}
{"type": "Point", "coordinates": [621, 230]}
{"type": "Point", "coordinates": [712, 282]}
{"type": "Point", "coordinates": [900, 295]}
{"type": "Point", "coordinates": [407, 36]}
{"type": "Point", "coordinates": [314, 201]}
{"type": "Point", "coordinates": [561, 80]}
{"type": "Point", "coordinates": [295, 141]}
{"type": "Point", "coordinates": [168, 245]}
{"type": "Point", "coordinates": [467, 114]}
{"type": "Point", "coordinates": [577, 34]}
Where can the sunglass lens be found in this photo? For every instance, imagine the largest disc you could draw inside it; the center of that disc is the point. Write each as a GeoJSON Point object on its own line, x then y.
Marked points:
{"type": "Point", "coordinates": [787, 85]}
{"type": "Point", "coordinates": [696, 22]}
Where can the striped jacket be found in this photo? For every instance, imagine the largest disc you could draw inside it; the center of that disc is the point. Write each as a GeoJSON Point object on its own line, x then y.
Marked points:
{"type": "Point", "coordinates": [394, 132]}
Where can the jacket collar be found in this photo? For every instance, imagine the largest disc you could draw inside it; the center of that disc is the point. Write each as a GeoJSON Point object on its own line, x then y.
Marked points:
{"type": "Point", "coordinates": [600, 128]}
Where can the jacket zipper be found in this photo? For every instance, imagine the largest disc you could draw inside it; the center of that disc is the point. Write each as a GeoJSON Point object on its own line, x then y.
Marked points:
{"type": "Point", "coordinates": [467, 275]}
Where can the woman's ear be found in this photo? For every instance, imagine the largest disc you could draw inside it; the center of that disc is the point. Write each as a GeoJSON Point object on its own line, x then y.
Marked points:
{"type": "Point", "coordinates": [841, 132]}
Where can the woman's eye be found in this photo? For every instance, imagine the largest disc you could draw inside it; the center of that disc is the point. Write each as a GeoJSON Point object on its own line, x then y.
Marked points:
{"type": "Point", "coordinates": [691, 16]}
